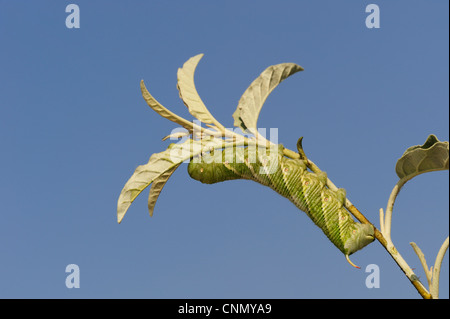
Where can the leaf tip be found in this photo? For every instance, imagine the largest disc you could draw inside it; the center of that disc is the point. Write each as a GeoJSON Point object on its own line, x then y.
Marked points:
{"type": "Point", "coordinates": [119, 217]}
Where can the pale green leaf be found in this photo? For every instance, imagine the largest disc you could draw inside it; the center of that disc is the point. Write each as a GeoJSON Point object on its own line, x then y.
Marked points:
{"type": "Point", "coordinates": [433, 155]}
{"type": "Point", "coordinates": [251, 102]}
{"type": "Point", "coordinates": [161, 110]}
{"type": "Point", "coordinates": [144, 175]}
{"type": "Point", "coordinates": [176, 135]}
{"type": "Point", "coordinates": [157, 186]}
{"type": "Point", "coordinates": [158, 165]}
{"type": "Point", "coordinates": [189, 94]}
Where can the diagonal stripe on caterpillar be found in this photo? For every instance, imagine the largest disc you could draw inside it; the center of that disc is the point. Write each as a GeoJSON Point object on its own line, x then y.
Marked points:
{"type": "Point", "coordinates": [291, 179]}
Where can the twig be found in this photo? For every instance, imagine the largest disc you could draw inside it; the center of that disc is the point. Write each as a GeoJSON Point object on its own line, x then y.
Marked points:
{"type": "Point", "coordinates": [385, 242]}
{"type": "Point", "coordinates": [428, 272]}
{"type": "Point", "coordinates": [437, 269]}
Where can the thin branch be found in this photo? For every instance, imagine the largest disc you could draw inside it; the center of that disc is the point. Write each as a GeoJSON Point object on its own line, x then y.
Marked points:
{"type": "Point", "coordinates": [428, 271]}
{"type": "Point", "coordinates": [381, 220]}
{"type": "Point", "coordinates": [386, 243]}
{"type": "Point", "coordinates": [437, 269]}
{"type": "Point", "coordinates": [390, 206]}
{"type": "Point", "coordinates": [386, 225]}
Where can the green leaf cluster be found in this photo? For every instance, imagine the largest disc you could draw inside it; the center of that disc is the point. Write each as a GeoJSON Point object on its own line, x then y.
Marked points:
{"type": "Point", "coordinates": [162, 165]}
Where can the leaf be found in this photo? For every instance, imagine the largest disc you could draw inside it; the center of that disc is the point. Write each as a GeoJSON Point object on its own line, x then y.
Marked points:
{"type": "Point", "coordinates": [433, 155]}
{"type": "Point", "coordinates": [188, 92]}
{"type": "Point", "coordinates": [176, 135]}
{"type": "Point", "coordinates": [161, 110]}
{"type": "Point", "coordinates": [144, 175]}
{"type": "Point", "coordinates": [158, 165]}
{"type": "Point", "coordinates": [157, 187]}
{"type": "Point", "coordinates": [251, 102]}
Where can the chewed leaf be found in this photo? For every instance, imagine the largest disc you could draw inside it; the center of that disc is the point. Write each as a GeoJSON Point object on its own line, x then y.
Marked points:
{"type": "Point", "coordinates": [433, 155]}
{"type": "Point", "coordinates": [157, 167]}
{"type": "Point", "coordinates": [189, 94]}
{"type": "Point", "coordinates": [161, 110]}
{"type": "Point", "coordinates": [157, 186]}
{"type": "Point", "coordinates": [142, 177]}
{"type": "Point", "coordinates": [251, 102]}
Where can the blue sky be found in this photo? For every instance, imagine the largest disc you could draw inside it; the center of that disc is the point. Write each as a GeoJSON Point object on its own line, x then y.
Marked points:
{"type": "Point", "coordinates": [74, 126]}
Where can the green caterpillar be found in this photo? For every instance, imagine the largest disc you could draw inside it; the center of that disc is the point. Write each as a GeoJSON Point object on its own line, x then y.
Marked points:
{"type": "Point", "coordinates": [291, 179]}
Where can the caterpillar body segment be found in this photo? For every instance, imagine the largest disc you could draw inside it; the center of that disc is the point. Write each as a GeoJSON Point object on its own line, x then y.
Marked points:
{"type": "Point", "coordinates": [291, 179]}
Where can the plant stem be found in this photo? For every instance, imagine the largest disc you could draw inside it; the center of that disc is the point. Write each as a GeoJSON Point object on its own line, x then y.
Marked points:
{"type": "Point", "coordinates": [390, 206]}
{"type": "Point", "coordinates": [428, 272]}
{"type": "Point", "coordinates": [387, 244]}
{"type": "Point", "coordinates": [437, 270]}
